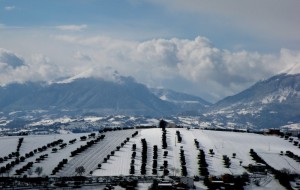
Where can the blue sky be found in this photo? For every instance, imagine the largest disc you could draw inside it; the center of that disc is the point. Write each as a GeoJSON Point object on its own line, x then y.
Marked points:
{"type": "Point", "coordinates": [207, 48]}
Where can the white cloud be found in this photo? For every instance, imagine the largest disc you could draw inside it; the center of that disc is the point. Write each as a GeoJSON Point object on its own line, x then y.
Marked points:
{"type": "Point", "coordinates": [81, 56]}
{"type": "Point", "coordinates": [188, 65]}
{"type": "Point", "coordinates": [72, 27]}
{"type": "Point", "coordinates": [9, 8]}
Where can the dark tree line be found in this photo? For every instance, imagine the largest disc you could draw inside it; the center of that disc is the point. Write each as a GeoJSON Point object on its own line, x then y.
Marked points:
{"type": "Point", "coordinates": [135, 134]}
{"type": "Point", "coordinates": [155, 156]}
{"type": "Point", "coordinates": [202, 163]}
{"type": "Point", "coordinates": [164, 139]}
{"type": "Point", "coordinates": [183, 163]}
{"type": "Point", "coordinates": [19, 144]}
{"type": "Point", "coordinates": [59, 166]}
{"type": "Point", "coordinates": [132, 169]}
{"type": "Point", "coordinates": [24, 168]}
{"type": "Point", "coordinates": [144, 156]}
{"type": "Point", "coordinates": [87, 145]}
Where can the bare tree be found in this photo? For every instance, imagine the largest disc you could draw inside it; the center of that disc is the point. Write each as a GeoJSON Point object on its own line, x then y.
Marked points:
{"type": "Point", "coordinates": [29, 171]}
{"type": "Point", "coordinates": [38, 170]}
{"type": "Point", "coordinates": [80, 170]}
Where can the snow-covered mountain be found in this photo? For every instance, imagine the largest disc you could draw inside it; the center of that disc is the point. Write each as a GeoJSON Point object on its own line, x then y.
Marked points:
{"type": "Point", "coordinates": [188, 104]}
{"type": "Point", "coordinates": [85, 95]}
{"type": "Point", "coordinates": [270, 103]}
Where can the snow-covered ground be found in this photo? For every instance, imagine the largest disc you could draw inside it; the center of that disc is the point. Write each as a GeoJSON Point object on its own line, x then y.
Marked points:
{"type": "Point", "coordinates": [222, 143]}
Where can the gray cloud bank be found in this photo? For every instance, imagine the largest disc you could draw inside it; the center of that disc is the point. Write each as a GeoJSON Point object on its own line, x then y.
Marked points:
{"type": "Point", "coordinates": [193, 66]}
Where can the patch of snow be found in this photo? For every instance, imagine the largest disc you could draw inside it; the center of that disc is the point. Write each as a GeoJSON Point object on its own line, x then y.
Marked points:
{"type": "Point", "coordinates": [164, 97]}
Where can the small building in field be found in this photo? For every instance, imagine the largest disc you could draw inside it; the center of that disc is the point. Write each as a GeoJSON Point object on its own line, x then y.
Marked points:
{"type": "Point", "coordinates": [257, 168]}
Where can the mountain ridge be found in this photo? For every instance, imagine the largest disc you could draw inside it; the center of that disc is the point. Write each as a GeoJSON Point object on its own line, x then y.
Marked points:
{"type": "Point", "coordinates": [269, 103]}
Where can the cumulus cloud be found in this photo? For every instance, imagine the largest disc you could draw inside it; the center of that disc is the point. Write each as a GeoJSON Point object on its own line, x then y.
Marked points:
{"type": "Point", "coordinates": [72, 27]}
{"type": "Point", "coordinates": [188, 65]}
{"type": "Point", "coordinates": [14, 68]}
{"type": "Point", "coordinates": [209, 70]}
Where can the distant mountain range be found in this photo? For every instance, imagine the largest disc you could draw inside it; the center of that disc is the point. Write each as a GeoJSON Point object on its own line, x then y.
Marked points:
{"type": "Point", "coordinates": [270, 103]}
{"type": "Point", "coordinates": [96, 96]}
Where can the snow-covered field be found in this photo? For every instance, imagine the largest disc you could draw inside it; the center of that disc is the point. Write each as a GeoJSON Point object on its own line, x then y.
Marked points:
{"type": "Point", "coordinates": [222, 143]}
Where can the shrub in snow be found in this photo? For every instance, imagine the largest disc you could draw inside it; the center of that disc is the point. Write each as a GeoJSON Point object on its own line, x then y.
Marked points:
{"type": "Point", "coordinates": [131, 169]}
{"type": "Point", "coordinates": [179, 138]}
{"type": "Point", "coordinates": [233, 155]}
{"type": "Point", "coordinates": [226, 160]}
{"type": "Point", "coordinates": [166, 172]}
{"type": "Point", "coordinates": [133, 155]}
{"type": "Point", "coordinates": [165, 153]}
{"type": "Point", "coordinates": [72, 141]}
{"type": "Point", "coordinates": [154, 165]}
{"type": "Point", "coordinates": [154, 171]}
{"type": "Point", "coordinates": [92, 135]}
{"type": "Point", "coordinates": [165, 164]}
{"type": "Point", "coordinates": [133, 147]}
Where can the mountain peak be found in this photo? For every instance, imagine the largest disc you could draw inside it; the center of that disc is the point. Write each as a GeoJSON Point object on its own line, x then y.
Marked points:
{"type": "Point", "coordinates": [269, 103]}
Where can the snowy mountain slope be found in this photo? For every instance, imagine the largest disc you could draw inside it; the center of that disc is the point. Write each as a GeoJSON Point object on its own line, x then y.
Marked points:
{"type": "Point", "coordinates": [270, 103]}
{"type": "Point", "coordinates": [85, 95]}
{"type": "Point", "coordinates": [186, 102]}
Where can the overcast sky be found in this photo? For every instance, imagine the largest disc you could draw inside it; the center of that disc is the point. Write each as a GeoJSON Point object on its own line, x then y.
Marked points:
{"type": "Point", "coordinates": [207, 48]}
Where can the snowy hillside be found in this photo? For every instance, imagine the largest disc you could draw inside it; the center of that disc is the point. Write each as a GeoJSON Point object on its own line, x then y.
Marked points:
{"type": "Point", "coordinates": [114, 150]}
